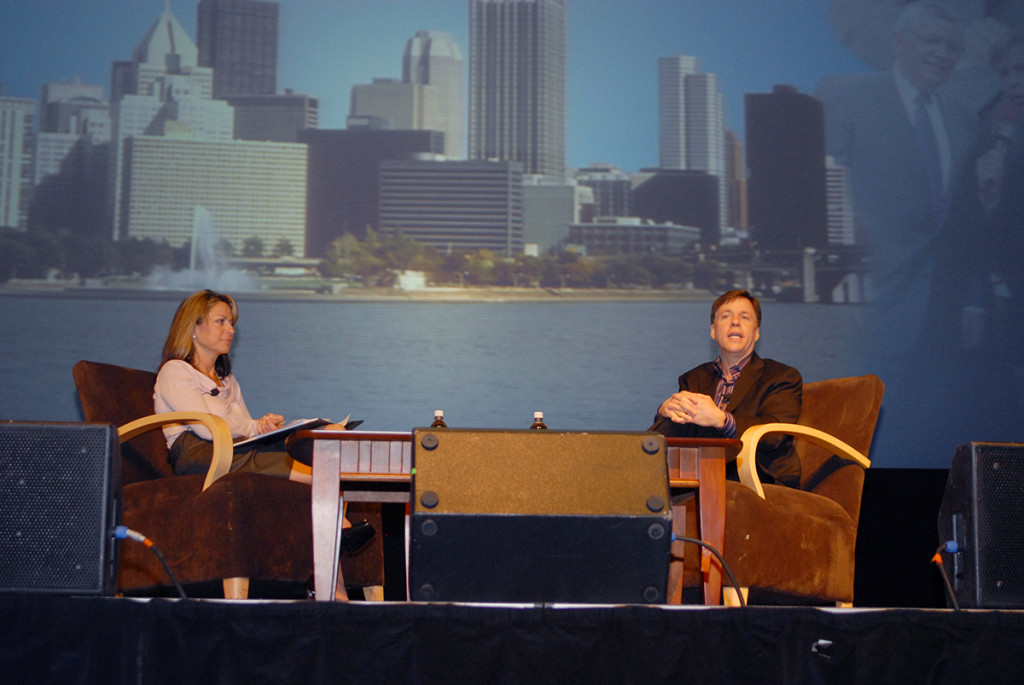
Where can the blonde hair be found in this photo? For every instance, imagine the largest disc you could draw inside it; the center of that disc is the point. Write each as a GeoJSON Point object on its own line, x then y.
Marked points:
{"type": "Point", "coordinates": [191, 312]}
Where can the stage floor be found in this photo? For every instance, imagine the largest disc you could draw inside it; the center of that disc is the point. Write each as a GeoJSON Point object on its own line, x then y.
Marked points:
{"type": "Point", "coordinates": [57, 639]}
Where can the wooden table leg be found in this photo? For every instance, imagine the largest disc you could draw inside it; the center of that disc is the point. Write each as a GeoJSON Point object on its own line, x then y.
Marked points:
{"type": "Point", "coordinates": [675, 566]}
{"type": "Point", "coordinates": [328, 510]}
{"type": "Point", "coordinates": [711, 493]}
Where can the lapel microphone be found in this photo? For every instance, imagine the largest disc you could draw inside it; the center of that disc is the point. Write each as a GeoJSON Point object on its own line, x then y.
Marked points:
{"type": "Point", "coordinates": [214, 392]}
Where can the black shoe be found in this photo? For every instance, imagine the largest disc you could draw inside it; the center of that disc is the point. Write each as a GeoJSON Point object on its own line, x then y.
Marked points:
{"type": "Point", "coordinates": [355, 537]}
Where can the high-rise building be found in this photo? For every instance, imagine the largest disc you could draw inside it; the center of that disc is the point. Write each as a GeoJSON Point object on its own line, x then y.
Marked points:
{"type": "Point", "coordinates": [71, 158]}
{"type": "Point", "coordinates": [428, 97]}
{"type": "Point", "coordinates": [517, 83]}
{"type": "Point", "coordinates": [75, 107]}
{"type": "Point", "coordinates": [468, 205]}
{"type": "Point", "coordinates": [238, 40]}
{"type": "Point", "coordinates": [736, 180]}
{"type": "Point", "coordinates": [433, 60]}
{"type": "Point", "coordinates": [786, 160]}
{"type": "Point", "coordinates": [841, 225]}
{"type": "Point", "coordinates": [691, 122]}
{"type": "Point", "coordinates": [17, 119]}
{"type": "Point", "coordinates": [175, 151]}
{"type": "Point", "coordinates": [344, 168]}
{"type": "Point", "coordinates": [162, 90]}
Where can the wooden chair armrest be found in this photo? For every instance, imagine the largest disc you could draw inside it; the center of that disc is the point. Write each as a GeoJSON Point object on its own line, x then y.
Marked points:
{"type": "Point", "coordinates": [746, 459]}
{"type": "Point", "coordinates": [222, 443]}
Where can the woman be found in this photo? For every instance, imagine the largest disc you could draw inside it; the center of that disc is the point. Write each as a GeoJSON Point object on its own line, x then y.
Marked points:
{"type": "Point", "coordinates": [195, 375]}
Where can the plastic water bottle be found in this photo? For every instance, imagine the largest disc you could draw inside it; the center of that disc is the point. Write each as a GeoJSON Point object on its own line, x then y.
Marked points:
{"type": "Point", "coordinates": [538, 421]}
{"type": "Point", "coordinates": [439, 419]}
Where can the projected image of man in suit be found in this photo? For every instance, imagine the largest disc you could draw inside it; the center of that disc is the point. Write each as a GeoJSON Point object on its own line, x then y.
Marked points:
{"type": "Point", "coordinates": [904, 145]}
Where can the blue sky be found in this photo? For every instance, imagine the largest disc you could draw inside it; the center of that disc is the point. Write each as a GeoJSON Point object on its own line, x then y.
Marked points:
{"type": "Point", "coordinates": [327, 46]}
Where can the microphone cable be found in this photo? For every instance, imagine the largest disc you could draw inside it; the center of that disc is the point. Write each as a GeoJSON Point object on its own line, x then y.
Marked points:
{"type": "Point", "coordinates": [952, 547]}
{"type": "Point", "coordinates": [122, 532]}
{"type": "Point", "coordinates": [725, 567]}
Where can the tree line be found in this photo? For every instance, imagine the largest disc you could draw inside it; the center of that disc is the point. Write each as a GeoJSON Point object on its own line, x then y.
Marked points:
{"type": "Point", "coordinates": [373, 261]}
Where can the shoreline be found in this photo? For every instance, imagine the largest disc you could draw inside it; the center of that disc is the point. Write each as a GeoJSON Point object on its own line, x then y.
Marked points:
{"type": "Point", "coordinates": [427, 295]}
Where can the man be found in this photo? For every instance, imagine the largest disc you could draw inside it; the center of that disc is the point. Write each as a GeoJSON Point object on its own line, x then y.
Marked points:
{"type": "Point", "coordinates": [723, 398]}
{"type": "Point", "coordinates": [904, 146]}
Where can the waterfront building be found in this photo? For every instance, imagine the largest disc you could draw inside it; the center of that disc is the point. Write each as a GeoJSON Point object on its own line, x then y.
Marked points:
{"type": "Point", "coordinates": [632, 235]}
{"type": "Point", "coordinates": [517, 83]}
{"type": "Point", "coordinates": [454, 204]}
{"type": "Point", "coordinates": [550, 205]}
{"type": "Point", "coordinates": [344, 166]}
{"type": "Point", "coordinates": [680, 196]}
{"type": "Point", "coordinates": [17, 140]}
{"type": "Point", "coordinates": [251, 189]}
{"type": "Point", "coordinates": [238, 40]}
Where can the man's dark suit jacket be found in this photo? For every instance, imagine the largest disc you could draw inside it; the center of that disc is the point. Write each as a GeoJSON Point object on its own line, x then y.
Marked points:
{"type": "Point", "coordinates": [766, 392]}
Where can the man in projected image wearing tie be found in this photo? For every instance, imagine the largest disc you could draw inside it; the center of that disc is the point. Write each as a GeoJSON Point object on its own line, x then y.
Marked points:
{"type": "Point", "coordinates": [904, 147]}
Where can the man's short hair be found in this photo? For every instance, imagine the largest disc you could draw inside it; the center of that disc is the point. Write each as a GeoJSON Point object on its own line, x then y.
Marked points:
{"type": "Point", "coordinates": [734, 295]}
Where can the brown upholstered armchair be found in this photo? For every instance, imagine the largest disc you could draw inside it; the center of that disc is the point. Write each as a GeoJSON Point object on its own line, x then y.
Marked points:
{"type": "Point", "coordinates": [222, 526]}
{"type": "Point", "coordinates": [788, 545]}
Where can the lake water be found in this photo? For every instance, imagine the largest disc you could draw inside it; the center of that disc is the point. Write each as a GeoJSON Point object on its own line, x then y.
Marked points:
{"type": "Point", "coordinates": [586, 365]}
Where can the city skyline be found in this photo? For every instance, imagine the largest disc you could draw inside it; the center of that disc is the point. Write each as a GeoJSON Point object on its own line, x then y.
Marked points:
{"type": "Point", "coordinates": [613, 48]}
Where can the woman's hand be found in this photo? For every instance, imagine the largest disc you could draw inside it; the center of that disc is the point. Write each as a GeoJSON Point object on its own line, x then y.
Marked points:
{"type": "Point", "coordinates": [268, 423]}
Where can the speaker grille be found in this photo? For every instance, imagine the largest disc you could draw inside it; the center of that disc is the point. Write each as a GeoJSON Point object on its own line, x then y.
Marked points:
{"type": "Point", "coordinates": [999, 472]}
{"type": "Point", "coordinates": [57, 507]}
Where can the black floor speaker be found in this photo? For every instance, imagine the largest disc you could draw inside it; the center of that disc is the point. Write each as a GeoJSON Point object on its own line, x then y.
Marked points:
{"type": "Point", "coordinates": [59, 505]}
{"type": "Point", "coordinates": [982, 511]}
{"type": "Point", "coordinates": [538, 516]}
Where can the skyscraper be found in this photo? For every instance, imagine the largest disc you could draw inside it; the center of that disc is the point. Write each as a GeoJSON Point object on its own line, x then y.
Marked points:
{"type": "Point", "coordinates": [161, 91]}
{"type": "Point", "coordinates": [433, 60]}
{"type": "Point", "coordinates": [691, 122]}
{"type": "Point", "coordinates": [428, 97]}
{"type": "Point", "coordinates": [786, 159]}
{"type": "Point", "coordinates": [17, 119]}
{"type": "Point", "coordinates": [174, 150]}
{"type": "Point", "coordinates": [238, 39]}
{"type": "Point", "coordinates": [517, 83]}
{"type": "Point", "coordinates": [71, 159]}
